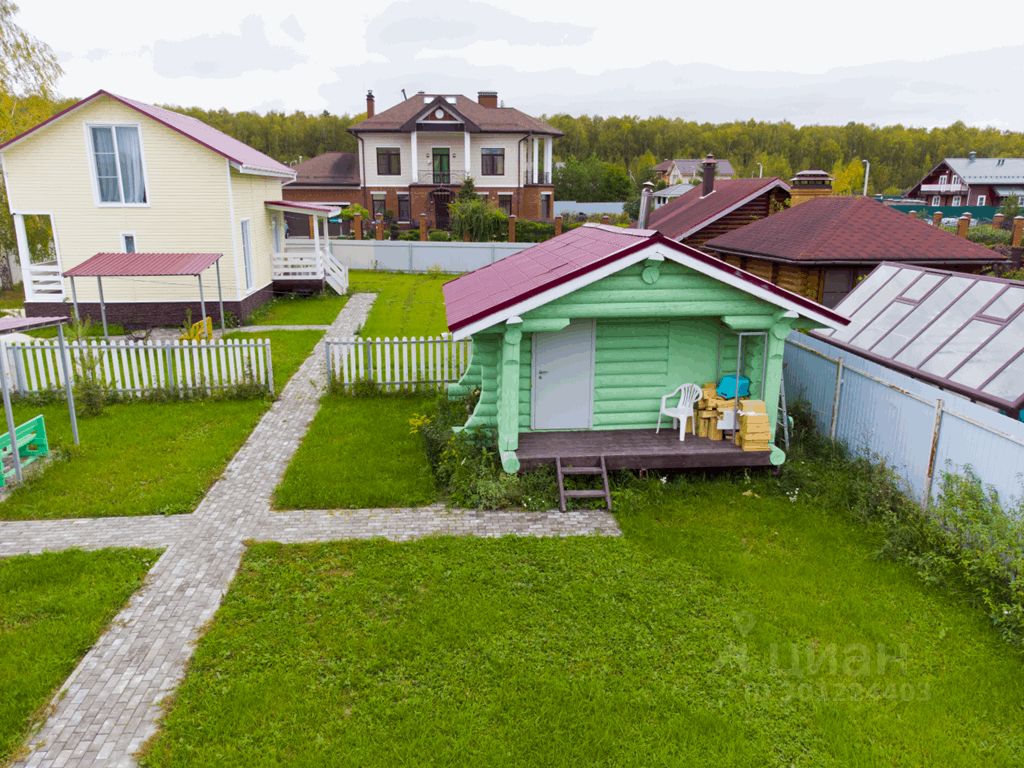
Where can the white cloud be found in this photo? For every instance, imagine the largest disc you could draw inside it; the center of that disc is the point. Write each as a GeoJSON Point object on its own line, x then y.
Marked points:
{"type": "Point", "coordinates": [798, 60]}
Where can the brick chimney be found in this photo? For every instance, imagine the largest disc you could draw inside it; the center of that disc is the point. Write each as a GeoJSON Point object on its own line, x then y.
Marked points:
{"type": "Point", "coordinates": [708, 166]}
{"type": "Point", "coordinates": [487, 99]}
{"type": "Point", "coordinates": [369, 104]}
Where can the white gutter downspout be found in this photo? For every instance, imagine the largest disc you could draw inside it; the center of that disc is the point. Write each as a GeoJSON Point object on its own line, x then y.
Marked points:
{"type": "Point", "coordinates": [234, 235]}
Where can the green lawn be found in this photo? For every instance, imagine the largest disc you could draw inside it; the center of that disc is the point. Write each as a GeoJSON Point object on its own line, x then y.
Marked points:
{"type": "Point", "coordinates": [52, 608]}
{"type": "Point", "coordinates": [406, 305]}
{"type": "Point", "coordinates": [13, 298]}
{"type": "Point", "coordinates": [144, 458]}
{"type": "Point", "coordinates": [134, 458]}
{"type": "Point", "coordinates": [724, 628]}
{"type": "Point", "coordinates": [320, 309]}
{"type": "Point", "coordinates": [359, 452]}
{"type": "Point", "coordinates": [288, 350]}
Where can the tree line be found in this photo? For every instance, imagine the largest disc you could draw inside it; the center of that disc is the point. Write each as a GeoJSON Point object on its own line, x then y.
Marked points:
{"type": "Point", "coordinates": [629, 146]}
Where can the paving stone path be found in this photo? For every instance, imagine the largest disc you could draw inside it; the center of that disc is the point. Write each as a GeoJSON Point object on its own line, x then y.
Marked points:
{"type": "Point", "coordinates": [110, 704]}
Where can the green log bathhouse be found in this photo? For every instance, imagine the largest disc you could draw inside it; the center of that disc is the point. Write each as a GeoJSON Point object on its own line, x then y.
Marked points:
{"type": "Point", "coordinates": [575, 341]}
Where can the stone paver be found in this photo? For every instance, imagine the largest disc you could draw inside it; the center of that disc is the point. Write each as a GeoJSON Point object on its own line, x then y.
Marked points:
{"type": "Point", "coordinates": [110, 704]}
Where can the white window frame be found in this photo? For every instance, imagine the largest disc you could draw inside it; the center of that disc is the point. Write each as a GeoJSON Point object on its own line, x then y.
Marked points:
{"type": "Point", "coordinates": [944, 179]}
{"type": "Point", "coordinates": [957, 201]}
{"type": "Point", "coordinates": [936, 200]}
{"type": "Point", "coordinates": [124, 244]}
{"type": "Point", "coordinates": [97, 199]}
{"type": "Point", "coordinates": [981, 200]}
{"type": "Point", "coordinates": [245, 226]}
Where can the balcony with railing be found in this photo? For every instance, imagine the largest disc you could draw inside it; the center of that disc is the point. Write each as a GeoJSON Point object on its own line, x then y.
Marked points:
{"type": "Point", "coordinates": [440, 178]}
{"type": "Point", "coordinates": [43, 282]}
{"type": "Point", "coordinates": [543, 177]}
{"type": "Point", "coordinates": [944, 189]}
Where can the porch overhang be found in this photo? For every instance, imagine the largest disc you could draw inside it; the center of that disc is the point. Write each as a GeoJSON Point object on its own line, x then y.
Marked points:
{"type": "Point", "coordinates": [319, 210]}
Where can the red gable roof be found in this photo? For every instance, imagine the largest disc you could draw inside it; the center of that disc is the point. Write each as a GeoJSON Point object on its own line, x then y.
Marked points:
{"type": "Point", "coordinates": [231, 148]}
{"type": "Point", "coordinates": [690, 212]}
{"type": "Point", "coordinates": [849, 229]}
{"type": "Point", "coordinates": [489, 290]}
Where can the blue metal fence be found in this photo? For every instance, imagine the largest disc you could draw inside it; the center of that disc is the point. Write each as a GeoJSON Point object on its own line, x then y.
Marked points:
{"type": "Point", "coordinates": [918, 429]}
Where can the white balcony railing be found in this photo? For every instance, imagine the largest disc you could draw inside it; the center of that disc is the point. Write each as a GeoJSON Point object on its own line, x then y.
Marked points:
{"type": "Point", "coordinates": [298, 265]}
{"type": "Point", "coordinates": [43, 282]}
{"type": "Point", "coordinates": [944, 189]}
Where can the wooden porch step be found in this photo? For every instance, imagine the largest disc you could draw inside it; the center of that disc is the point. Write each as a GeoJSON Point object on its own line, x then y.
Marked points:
{"type": "Point", "coordinates": [583, 493]}
{"type": "Point", "coordinates": [582, 470]}
{"type": "Point", "coordinates": [588, 493]}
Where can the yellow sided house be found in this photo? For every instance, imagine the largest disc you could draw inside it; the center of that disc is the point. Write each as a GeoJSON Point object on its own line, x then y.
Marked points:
{"type": "Point", "coordinates": [153, 214]}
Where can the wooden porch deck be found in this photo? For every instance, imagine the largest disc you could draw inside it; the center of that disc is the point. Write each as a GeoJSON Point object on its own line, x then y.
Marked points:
{"type": "Point", "coordinates": [634, 449]}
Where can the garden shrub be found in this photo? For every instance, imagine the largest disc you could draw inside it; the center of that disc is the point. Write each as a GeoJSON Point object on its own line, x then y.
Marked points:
{"type": "Point", "coordinates": [988, 235]}
{"type": "Point", "coordinates": [528, 231]}
{"type": "Point", "coordinates": [966, 541]}
{"type": "Point", "coordinates": [466, 465]}
{"type": "Point", "coordinates": [438, 236]}
{"type": "Point", "coordinates": [409, 234]}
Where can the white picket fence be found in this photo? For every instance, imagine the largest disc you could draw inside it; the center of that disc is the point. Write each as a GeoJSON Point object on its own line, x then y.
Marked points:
{"type": "Point", "coordinates": [430, 361]}
{"type": "Point", "coordinates": [135, 368]}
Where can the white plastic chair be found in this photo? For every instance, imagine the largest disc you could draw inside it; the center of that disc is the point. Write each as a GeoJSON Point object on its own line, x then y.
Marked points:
{"type": "Point", "coordinates": [689, 395]}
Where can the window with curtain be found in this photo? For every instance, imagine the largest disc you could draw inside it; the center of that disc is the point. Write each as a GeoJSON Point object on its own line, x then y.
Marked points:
{"type": "Point", "coordinates": [117, 154]}
{"type": "Point", "coordinates": [404, 208]}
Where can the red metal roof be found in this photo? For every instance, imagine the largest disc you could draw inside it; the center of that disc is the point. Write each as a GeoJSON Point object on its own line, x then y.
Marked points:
{"type": "Point", "coordinates": [217, 141]}
{"type": "Point", "coordinates": [498, 286]}
{"type": "Point", "coordinates": [690, 212]}
{"type": "Point", "coordinates": [143, 264]}
{"type": "Point", "coordinates": [827, 230]}
{"type": "Point", "coordinates": [10, 324]}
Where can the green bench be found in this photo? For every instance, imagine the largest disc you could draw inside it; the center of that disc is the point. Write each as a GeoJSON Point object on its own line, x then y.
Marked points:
{"type": "Point", "coordinates": [32, 445]}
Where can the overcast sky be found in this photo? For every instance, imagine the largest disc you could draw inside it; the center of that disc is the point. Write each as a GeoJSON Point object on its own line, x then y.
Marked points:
{"type": "Point", "coordinates": [820, 61]}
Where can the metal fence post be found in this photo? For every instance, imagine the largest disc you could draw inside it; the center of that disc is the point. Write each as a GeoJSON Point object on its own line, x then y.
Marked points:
{"type": "Point", "coordinates": [933, 449]}
{"type": "Point", "coordinates": [835, 400]}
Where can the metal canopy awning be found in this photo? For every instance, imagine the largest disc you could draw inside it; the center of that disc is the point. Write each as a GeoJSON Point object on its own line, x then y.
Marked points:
{"type": "Point", "coordinates": [120, 264]}
{"type": "Point", "coordinates": [10, 325]}
{"type": "Point", "coordinates": [305, 209]}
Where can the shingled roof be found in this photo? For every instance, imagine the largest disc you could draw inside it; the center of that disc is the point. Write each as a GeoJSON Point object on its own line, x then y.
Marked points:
{"type": "Point", "coordinates": [853, 230]}
{"type": "Point", "coordinates": [692, 211]}
{"type": "Point", "coordinates": [477, 118]}
{"type": "Point", "coordinates": [331, 169]}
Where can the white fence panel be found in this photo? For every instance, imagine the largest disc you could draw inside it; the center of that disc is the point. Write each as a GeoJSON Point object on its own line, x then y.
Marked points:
{"type": "Point", "coordinates": [134, 368]}
{"type": "Point", "coordinates": [918, 429]}
{"type": "Point", "coordinates": [407, 256]}
{"type": "Point", "coordinates": [425, 361]}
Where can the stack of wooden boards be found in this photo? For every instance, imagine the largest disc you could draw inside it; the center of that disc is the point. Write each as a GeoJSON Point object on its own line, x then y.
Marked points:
{"type": "Point", "coordinates": [753, 433]}
{"type": "Point", "coordinates": [710, 410]}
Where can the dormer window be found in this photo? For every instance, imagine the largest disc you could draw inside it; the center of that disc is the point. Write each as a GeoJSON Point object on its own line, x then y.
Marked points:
{"type": "Point", "coordinates": [117, 161]}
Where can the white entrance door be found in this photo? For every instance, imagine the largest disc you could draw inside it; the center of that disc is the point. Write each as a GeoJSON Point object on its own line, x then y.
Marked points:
{"type": "Point", "coordinates": [563, 377]}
